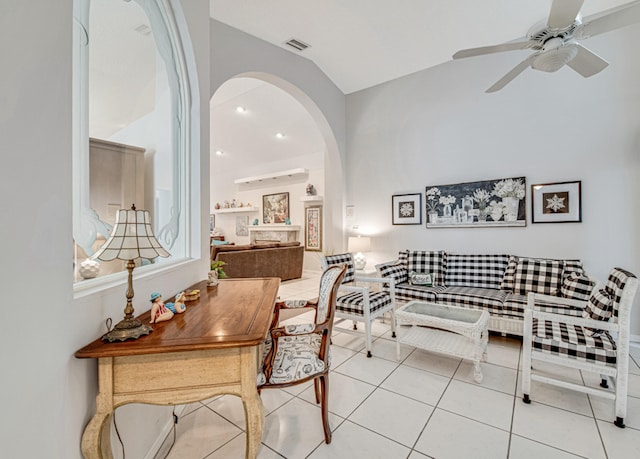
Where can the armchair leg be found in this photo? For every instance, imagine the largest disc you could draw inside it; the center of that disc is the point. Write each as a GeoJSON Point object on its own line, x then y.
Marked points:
{"type": "Point", "coordinates": [324, 387]}
{"type": "Point", "coordinates": [526, 399]}
{"type": "Point", "coordinates": [604, 383]}
{"type": "Point", "coordinates": [619, 422]}
{"type": "Point", "coordinates": [355, 325]}
{"type": "Point", "coordinates": [317, 389]}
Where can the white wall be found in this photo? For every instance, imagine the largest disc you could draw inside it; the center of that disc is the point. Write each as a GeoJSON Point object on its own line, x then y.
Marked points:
{"type": "Point", "coordinates": [235, 53]}
{"type": "Point", "coordinates": [47, 395]}
{"type": "Point", "coordinates": [438, 127]}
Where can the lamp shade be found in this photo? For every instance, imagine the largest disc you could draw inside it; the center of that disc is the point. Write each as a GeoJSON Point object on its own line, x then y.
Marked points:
{"type": "Point", "coordinates": [359, 244]}
{"type": "Point", "coordinates": [131, 238]}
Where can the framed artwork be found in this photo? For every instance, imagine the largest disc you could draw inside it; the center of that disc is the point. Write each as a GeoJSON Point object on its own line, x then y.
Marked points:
{"type": "Point", "coordinates": [556, 202]}
{"type": "Point", "coordinates": [275, 208]}
{"type": "Point", "coordinates": [242, 225]}
{"type": "Point", "coordinates": [488, 203]}
{"type": "Point", "coordinates": [313, 228]}
{"type": "Point", "coordinates": [212, 222]}
{"type": "Point", "coordinates": [406, 209]}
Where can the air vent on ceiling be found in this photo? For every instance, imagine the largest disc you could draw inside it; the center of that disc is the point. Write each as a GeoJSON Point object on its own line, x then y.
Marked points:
{"type": "Point", "coordinates": [297, 44]}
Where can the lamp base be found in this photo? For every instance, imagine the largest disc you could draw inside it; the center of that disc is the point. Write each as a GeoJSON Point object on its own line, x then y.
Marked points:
{"type": "Point", "coordinates": [127, 329]}
{"type": "Point", "coordinates": [360, 260]}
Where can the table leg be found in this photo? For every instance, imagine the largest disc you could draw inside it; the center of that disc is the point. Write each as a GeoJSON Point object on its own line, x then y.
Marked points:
{"type": "Point", "coordinates": [96, 439]}
{"type": "Point", "coordinates": [253, 408]}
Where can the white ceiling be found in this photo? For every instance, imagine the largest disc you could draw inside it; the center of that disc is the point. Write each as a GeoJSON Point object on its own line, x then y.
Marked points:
{"type": "Point", "coordinates": [362, 43]}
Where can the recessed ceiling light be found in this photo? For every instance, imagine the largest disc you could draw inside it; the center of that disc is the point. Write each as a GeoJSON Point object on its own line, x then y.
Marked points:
{"type": "Point", "coordinates": [240, 109]}
{"type": "Point", "coordinates": [219, 152]}
{"type": "Point", "coordinates": [280, 135]}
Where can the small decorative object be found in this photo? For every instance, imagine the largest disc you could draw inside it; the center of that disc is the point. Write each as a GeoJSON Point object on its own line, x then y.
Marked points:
{"type": "Point", "coordinates": [159, 311]}
{"type": "Point", "coordinates": [275, 207]}
{"type": "Point", "coordinates": [287, 221]}
{"type": "Point", "coordinates": [89, 268]}
{"type": "Point", "coordinates": [406, 209]}
{"type": "Point", "coordinates": [311, 191]}
{"type": "Point", "coordinates": [217, 206]}
{"type": "Point", "coordinates": [469, 204]}
{"type": "Point", "coordinates": [212, 279]}
{"type": "Point", "coordinates": [248, 204]}
{"type": "Point", "coordinates": [192, 295]}
{"type": "Point", "coordinates": [131, 238]}
{"type": "Point", "coordinates": [240, 205]}
{"type": "Point", "coordinates": [233, 203]}
{"type": "Point", "coordinates": [313, 228]}
{"type": "Point", "coordinates": [255, 222]}
{"type": "Point", "coordinates": [178, 307]}
{"type": "Point", "coordinates": [226, 205]}
{"type": "Point", "coordinates": [556, 202]}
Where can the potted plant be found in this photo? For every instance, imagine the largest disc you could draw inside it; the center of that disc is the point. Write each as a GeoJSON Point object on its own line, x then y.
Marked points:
{"type": "Point", "coordinates": [216, 272]}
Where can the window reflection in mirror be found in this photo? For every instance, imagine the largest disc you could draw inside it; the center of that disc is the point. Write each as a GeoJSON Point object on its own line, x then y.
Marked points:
{"type": "Point", "coordinates": [132, 132]}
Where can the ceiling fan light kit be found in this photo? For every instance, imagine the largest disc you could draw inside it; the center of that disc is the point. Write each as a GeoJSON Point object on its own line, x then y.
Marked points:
{"type": "Point", "coordinates": [556, 41]}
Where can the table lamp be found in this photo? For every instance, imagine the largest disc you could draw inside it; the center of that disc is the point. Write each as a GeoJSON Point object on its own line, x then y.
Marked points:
{"type": "Point", "coordinates": [131, 238]}
{"type": "Point", "coordinates": [357, 245]}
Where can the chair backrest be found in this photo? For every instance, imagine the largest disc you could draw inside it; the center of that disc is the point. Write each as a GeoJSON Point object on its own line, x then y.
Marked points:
{"type": "Point", "coordinates": [329, 283]}
{"type": "Point", "coordinates": [622, 286]}
{"type": "Point", "coordinates": [339, 260]}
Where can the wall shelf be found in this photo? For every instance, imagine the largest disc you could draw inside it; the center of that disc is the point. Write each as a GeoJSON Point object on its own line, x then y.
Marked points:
{"type": "Point", "coordinates": [311, 198]}
{"type": "Point", "coordinates": [235, 210]}
{"type": "Point", "coordinates": [291, 173]}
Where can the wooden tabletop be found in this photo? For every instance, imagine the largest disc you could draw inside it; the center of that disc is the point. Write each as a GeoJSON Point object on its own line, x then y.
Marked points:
{"type": "Point", "coordinates": [235, 313]}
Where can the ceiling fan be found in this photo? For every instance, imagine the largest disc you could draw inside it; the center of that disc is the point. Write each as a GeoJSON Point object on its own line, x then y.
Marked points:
{"type": "Point", "coordinates": [556, 40]}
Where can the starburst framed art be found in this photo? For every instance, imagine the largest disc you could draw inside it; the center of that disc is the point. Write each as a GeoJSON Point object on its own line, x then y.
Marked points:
{"type": "Point", "coordinates": [407, 209]}
{"type": "Point", "coordinates": [556, 202]}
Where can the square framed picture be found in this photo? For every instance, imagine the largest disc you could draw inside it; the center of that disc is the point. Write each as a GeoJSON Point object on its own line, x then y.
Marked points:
{"type": "Point", "coordinates": [275, 208]}
{"type": "Point", "coordinates": [313, 228]}
{"type": "Point", "coordinates": [556, 202]}
{"type": "Point", "coordinates": [407, 209]}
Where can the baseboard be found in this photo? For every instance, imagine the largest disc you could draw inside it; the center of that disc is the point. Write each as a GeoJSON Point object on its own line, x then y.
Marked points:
{"type": "Point", "coordinates": [635, 340]}
{"type": "Point", "coordinates": [162, 436]}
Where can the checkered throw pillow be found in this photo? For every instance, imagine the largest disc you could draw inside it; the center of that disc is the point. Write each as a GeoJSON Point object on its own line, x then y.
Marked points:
{"type": "Point", "coordinates": [599, 307]}
{"type": "Point", "coordinates": [615, 284]}
{"type": "Point", "coordinates": [539, 276]}
{"type": "Point", "coordinates": [572, 266]}
{"type": "Point", "coordinates": [483, 271]}
{"type": "Point", "coordinates": [396, 270]}
{"type": "Point", "coordinates": [428, 262]}
{"type": "Point", "coordinates": [509, 278]}
{"type": "Point", "coordinates": [339, 260]}
{"type": "Point", "coordinates": [577, 287]}
{"type": "Point", "coordinates": [403, 256]}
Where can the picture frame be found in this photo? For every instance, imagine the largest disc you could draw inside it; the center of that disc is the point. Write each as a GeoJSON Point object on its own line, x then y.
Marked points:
{"type": "Point", "coordinates": [486, 203]}
{"type": "Point", "coordinates": [212, 222]}
{"type": "Point", "coordinates": [313, 228]}
{"type": "Point", "coordinates": [406, 209]}
{"type": "Point", "coordinates": [559, 202]}
{"type": "Point", "coordinates": [242, 225]}
{"type": "Point", "coordinates": [275, 208]}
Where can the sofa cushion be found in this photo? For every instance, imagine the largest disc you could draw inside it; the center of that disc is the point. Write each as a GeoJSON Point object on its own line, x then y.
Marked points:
{"type": "Point", "coordinates": [509, 278]}
{"type": "Point", "coordinates": [514, 306]}
{"type": "Point", "coordinates": [473, 298]}
{"type": "Point", "coordinates": [576, 286]}
{"type": "Point", "coordinates": [483, 271]}
{"type": "Point", "coordinates": [393, 269]}
{"type": "Point", "coordinates": [538, 275]}
{"type": "Point", "coordinates": [572, 266]}
{"type": "Point", "coordinates": [615, 284]}
{"type": "Point", "coordinates": [353, 302]}
{"type": "Point", "coordinates": [427, 262]}
{"type": "Point", "coordinates": [599, 306]}
{"type": "Point", "coordinates": [406, 292]}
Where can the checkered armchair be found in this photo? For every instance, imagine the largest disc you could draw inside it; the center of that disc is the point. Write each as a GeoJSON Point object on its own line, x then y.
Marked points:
{"type": "Point", "coordinates": [356, 301]}
{"type": "Point", "coordinates": [295, 354]}
{"type": "Point", "coordinates": [556, 334]}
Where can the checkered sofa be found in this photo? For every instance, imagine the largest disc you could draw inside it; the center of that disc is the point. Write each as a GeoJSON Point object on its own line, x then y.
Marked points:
{"type": "Point", "coordinates": [498, 283]}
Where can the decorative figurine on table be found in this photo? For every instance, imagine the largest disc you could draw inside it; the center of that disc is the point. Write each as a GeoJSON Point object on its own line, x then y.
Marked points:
{"type": "Point", "coordinates": [178, 307]}
{"type": "Point", "coordinates": [159, 311]}
{"type": "Point", "coordinates": [287, 221]}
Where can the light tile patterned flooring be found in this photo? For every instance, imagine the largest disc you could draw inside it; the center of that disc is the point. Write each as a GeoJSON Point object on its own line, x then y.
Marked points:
{"type": "Point", "coordinates": [423, 406]}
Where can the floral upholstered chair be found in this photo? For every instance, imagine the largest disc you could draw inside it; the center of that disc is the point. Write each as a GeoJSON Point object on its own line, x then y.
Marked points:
{"type": "Point", "coordinates": [586, 342]}
{"type": "Point", "coordinates": [295, 354]}
{"type": "Point", "coordinates": [356, 301]}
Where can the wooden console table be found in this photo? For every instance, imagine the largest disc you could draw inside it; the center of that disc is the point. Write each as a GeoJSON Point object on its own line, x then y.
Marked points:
{"type": "Point", "coordinates": [213, 348]}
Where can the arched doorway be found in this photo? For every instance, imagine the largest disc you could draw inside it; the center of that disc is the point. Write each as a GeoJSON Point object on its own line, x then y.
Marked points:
{"type": "Point", "coordinates": [248, 112]}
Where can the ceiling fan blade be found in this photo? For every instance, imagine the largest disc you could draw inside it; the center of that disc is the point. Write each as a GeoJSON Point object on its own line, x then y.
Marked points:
{"type": "Point", "coordinates": [620, 17]}
{"type": "Point", "coordinates": [517, 70]}
{"type": "Point", "coordinates": [511, 46]}
{"type": "Point", "coordinates": [563, 13]}
{"type": "Point", "coordinates": [586, 62]}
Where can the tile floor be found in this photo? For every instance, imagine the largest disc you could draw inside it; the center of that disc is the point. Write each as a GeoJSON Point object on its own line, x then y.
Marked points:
{"type": "Point", "coordinates": [423, 406]}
